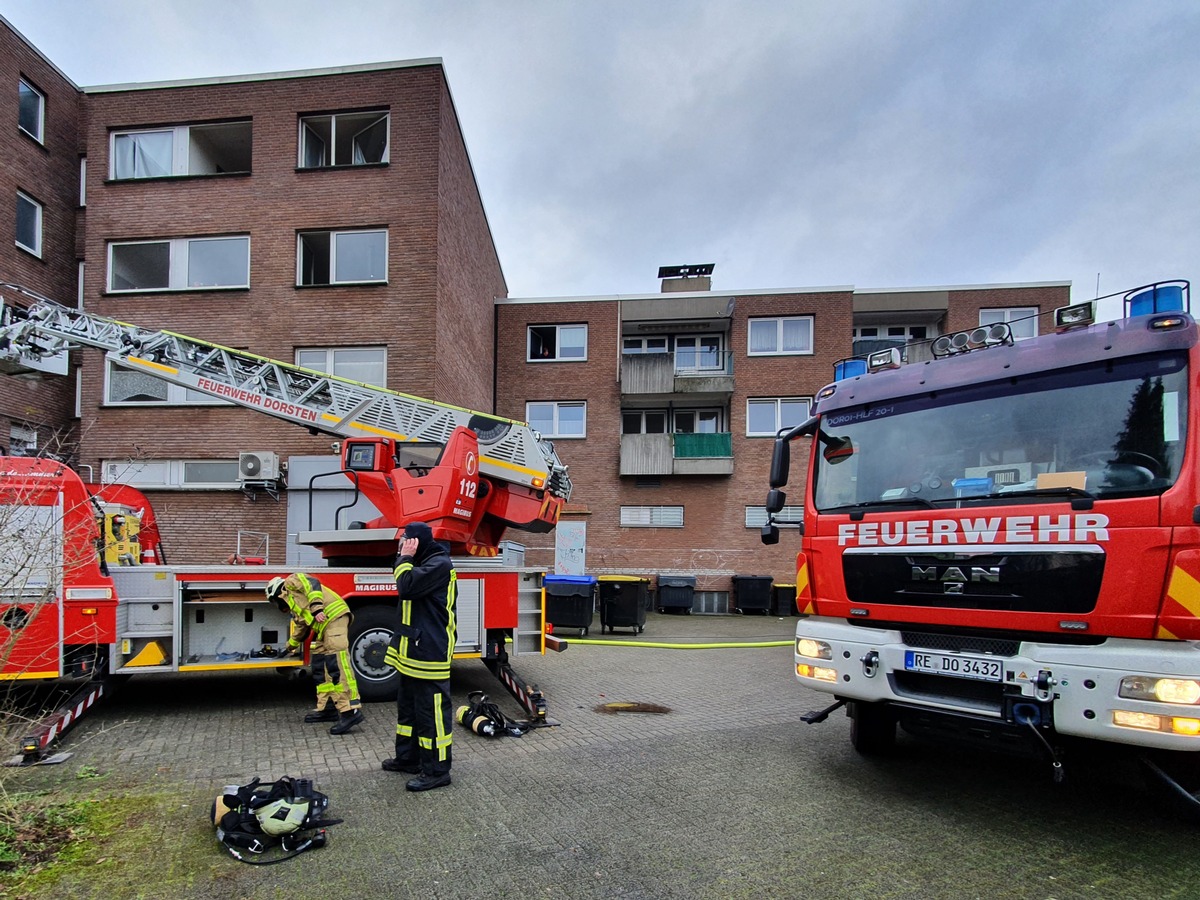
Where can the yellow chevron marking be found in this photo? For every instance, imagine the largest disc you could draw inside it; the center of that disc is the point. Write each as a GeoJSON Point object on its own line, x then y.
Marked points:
{"type": "Point", "coordinates": [1185, 590]}
{"type": "Point", "coordinates": [1164, 635]}
{"type": "Point", "coordinates": [802, 580]}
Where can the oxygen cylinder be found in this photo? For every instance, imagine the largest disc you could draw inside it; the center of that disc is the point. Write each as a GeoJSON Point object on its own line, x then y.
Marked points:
{"type": "Point", "coordinates": [469, 717]}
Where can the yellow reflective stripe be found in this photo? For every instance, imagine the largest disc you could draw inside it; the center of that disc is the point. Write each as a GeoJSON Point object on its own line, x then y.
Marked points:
{"type": "Point", "coordinates": [326, 687]}
{"type": "Point", "coordinates": [347, 671]}
{"type": "Point", "coordinates": [1185, 590]}
{"type": "Point", "coordinates": [401, 569]}
{"type": "Point", "coordinates": [404, 730]}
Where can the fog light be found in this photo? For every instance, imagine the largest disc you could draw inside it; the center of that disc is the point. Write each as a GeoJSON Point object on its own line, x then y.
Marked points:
{"type": "Point", "coordinates": [820, 673]}
{"type": "Point", "coordinates": [1145, 721]}
{"type": "Point", "coordinates": [1183, 691]}
{"type": "Point", "coordinates": [813, 649]}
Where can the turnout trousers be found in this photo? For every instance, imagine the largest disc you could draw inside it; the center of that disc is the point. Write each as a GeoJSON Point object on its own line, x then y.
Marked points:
{"type": "Point", "coordinates": [331, 667]}
{"type": "Point", "coordinates": [424, 720]}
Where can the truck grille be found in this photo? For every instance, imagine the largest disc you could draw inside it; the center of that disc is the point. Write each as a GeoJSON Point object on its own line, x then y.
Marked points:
{"type": "Point", "coordinates": [984, 695]}
{"type": "Point", "coordinates": [959, 643]}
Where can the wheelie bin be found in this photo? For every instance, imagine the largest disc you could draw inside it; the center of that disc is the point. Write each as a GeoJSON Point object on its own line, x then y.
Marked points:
{"type": "Point", "coordinates": [623, 602]}
{"type": "Point", "coordinates": [570, 601]}
{"type": "Point", "coordinates": [752, 593]}
{"type": "Point", "coordinates": [676, 593]}
{"type": "Point", "coordinates": [783, 600]}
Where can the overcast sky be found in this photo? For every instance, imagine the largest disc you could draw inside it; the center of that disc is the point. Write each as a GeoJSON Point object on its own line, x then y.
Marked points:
{"type": "Point", "coordinates": [875, 143]}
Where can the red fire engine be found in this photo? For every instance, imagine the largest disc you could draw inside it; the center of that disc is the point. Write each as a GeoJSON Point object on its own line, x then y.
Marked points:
{"type": "Point", "coordinates": [1000, 540]}
{"type": "Point", "coordinates": [86, 590]}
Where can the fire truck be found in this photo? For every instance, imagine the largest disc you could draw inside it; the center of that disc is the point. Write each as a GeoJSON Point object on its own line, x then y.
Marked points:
{"type": "Point", "coordinates": [1000, 541]}
{"type": "Point", "coordinates": [86, 590]}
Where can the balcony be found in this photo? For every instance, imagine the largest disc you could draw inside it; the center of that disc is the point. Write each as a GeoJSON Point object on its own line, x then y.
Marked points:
{"type": "Point", "coordinates": [677, 454]}
{"type": "Point", "coordinates": [698, 376]}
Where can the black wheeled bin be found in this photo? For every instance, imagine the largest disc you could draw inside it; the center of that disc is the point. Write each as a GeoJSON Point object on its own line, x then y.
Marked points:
{"type": "Point", "coordinates": [752, 593]}
{"type": "Point", "coordinates": [570, 601]}
{"type": "Point", "coordinates": [783, 600]}
{"type": "Point", "coordinates": [676, 593]}
{"type": "Point", "coordinates": [623, 602]}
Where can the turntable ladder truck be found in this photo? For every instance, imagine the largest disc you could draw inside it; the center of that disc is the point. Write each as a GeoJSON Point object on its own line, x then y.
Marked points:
{"type": "Point", "coordinates": [470, 475]}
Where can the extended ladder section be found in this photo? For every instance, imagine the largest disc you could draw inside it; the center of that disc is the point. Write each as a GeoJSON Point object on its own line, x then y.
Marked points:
{"type": "Point", "coordinates": [510, 451]}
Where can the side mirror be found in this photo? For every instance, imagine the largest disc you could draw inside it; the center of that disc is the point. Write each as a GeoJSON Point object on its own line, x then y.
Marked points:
{"type": "Point", "coordinates": [837, 449]}
{"type": "Point", "coordinates": [780, 463]}
{"type": "Point", "coordinates": [776, 500]}
{"type": "Point", "coordinates": [769, 534]}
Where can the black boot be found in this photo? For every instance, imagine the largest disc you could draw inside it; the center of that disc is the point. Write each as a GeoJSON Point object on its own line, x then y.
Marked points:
{"type": "Point", "coordinates": [328, 714]}
{"type": "Point", "coordinates": [395, 765]}
{"type": "Point", "coordinates": [346, 721]}
{"type": "Point", "coordinates": [428, 782]}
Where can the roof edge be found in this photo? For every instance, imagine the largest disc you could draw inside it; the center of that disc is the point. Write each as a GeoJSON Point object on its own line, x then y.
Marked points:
{"type": "Point", "coordinates": [262, 76]}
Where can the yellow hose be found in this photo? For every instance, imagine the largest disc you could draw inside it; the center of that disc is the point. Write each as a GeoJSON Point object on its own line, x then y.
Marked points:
{"type": "Point", "coordinates": [662, 646]}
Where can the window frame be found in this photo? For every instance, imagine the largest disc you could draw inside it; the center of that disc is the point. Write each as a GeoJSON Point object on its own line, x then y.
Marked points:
{"type": "Point", "coordinates": [558, 405]}
{"type": "Point", "coordinates": [660, 516]}
{"type": "Point", "coordinates": [40, 137]}
{"type": "Point", "coordinates": [330, 145]}
{"type": "Point", "coordinates": [181, 150]}
{"type": "Point", "coordinates": [779, 329]}
{"type": "Point", "coordinates": [641, 414]}
{"type": "Point", "coordinates": [558, 329]}
{"type": "Point", "coordinates": [39, 219]}
{"type": "Point", "coordinates": [788, 517]}
{"type": "Point", "coordinates": [164, 474]}
{"type": "Point", "coordinates": [1010, 314]}
{"type": "Point", "coordinates": [777, 401]}
{"type": "Point", "coordinates": [333, 233]}
{"type": "Point", "coordinates": [331, 362]}
{"type": "Point", "coordinates": [179, 254]}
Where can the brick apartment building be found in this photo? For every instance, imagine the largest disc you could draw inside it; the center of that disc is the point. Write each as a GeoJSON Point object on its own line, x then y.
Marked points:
{"type": "Point", "coordinates": [332, 218]}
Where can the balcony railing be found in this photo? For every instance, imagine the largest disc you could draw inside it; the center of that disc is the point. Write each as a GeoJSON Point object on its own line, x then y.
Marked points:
{"type": "Point", "coordinates": [677, 454]}
{"type": "Point", "coordinates": [681, 372]}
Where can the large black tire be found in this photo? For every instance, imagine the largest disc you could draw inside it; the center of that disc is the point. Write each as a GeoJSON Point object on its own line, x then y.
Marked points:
{"type": "Point", "coordinates": [370, 634]}
{"type": "Point", "coordinates": [872, 729]}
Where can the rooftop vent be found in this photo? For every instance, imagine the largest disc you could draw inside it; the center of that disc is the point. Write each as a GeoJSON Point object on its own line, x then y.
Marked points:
{"type": "Point", "coordinates": [687, 278]}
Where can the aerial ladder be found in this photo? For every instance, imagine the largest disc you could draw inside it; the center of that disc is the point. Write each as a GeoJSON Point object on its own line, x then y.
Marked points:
{"type": "Point", "coordinates": [480, 474]}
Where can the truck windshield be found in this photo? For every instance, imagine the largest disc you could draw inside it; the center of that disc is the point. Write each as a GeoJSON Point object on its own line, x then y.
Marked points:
{"type": "Point", "coordinates": [1109, 430]}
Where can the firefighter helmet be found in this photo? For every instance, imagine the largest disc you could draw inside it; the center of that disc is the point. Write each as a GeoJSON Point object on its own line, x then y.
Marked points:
{"type": "Point", "coordinates": [275, 592]}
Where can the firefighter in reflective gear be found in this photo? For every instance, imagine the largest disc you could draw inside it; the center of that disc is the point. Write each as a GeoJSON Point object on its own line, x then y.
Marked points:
{"type": "Point", "coordinates": [421, 653]}
{"type": "Point", "coordinates": [321, 613]}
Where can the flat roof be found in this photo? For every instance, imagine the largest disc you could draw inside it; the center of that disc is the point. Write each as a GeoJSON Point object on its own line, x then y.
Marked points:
{"type": "Point", "coordinates": [263, 76]}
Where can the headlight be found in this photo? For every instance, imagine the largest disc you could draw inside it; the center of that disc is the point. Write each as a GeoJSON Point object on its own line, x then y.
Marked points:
{"type": "Point", "coordinates": [821, 673]}
{"type": "Point", "coordinates": [1183, 691]}
{"type": "Point", "coordinates": [813, 649]}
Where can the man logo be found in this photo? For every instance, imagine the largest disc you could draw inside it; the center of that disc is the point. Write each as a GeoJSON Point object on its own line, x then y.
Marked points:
{"type": "Point", "coordinates": [954, 579]}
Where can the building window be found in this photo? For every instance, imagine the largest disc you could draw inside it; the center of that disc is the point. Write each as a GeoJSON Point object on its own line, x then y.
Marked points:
{"type": "Point", "coordinates": [652, 516]}
{"type": "Point", "coordinates": [644, 345]}
{"type": "Point", "coordinates": [134, 387]}
{"type": "Point", "coordinates": [697, 421]}
{"type": "Point", "coordinates": [1021, 320]}
{"type": "Point", "coordinates": [218, 149]}
{"type": "Point", "coordinates": [22, 441]}
{"type": "Point", "coordinates": [180, 264]}
{"type": "Point", "coordinates": [793, 516]}
{"type": "Point", "coordinates": [31, 112]}
{"type": "Point", "coordinates": [83, 181]}
{"type": "Point", "coordinates": [29, 224]}
{"type": "Point", "coordinates": [643, 421]}
{"type": "Point", "coordinates": [364, 364]}
{"type": "Point", "coordinates": [341, 257]}
{"type": "Point", "coordinates": [558, 420]}
{"type": "Point", "coordinates": [778, 336]}
{"type": "Point", "coordinates": [764, 417]}
{"type": "Point", "coordinates": [551, 343]}
{"type": "Point", "coordinates": [699, 353]}
{"type": "Point", "coordinates": [177, 474]}
{"type": "Point", "coordinates": [346, 139]}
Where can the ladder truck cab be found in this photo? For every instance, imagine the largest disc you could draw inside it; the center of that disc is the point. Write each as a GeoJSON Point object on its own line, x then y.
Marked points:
{"type": "Point", "coordinates": [1000, 541]}
{"type": "Point", "coordinates": [100, 609]}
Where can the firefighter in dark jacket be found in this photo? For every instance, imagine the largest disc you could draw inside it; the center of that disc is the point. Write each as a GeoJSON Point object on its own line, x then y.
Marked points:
{"type": "Point", "coordinates": [318, 611]}
{"type": "Point", "coordinates": [421, 653]}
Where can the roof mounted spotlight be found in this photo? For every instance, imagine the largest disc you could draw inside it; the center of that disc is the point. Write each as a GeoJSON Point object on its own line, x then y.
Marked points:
{"type": "Point", "coordinates": [884, 359]}
{"type": "Point", "coordinates": [941, 347]}
{"type": "Point", "coordinates": [1074, 316]}
{"type": "Point", "coordinates": [960, 341]}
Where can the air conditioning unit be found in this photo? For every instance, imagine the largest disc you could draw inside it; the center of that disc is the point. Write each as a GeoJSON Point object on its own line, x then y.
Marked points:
{"type": "Point", "coordinates": [258, 465]}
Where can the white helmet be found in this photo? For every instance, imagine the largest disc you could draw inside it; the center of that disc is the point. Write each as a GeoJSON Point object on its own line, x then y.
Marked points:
{"type": "Point", "coordinates": [275, 589]}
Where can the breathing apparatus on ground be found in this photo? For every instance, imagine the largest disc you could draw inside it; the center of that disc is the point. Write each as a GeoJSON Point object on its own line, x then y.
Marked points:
{"type": "Point", "coordinates": [484, 718]}
{"type": "Point", "coordinates": [253, 818]}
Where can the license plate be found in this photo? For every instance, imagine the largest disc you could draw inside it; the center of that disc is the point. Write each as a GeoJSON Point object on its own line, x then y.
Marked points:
{"type": "Point", "coordinates": [980, 668]}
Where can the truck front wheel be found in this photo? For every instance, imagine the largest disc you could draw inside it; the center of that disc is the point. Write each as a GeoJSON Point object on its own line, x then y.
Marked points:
{"type": "Point", "coordinates": [872, 728]}
{"type": "Point", "coordinates": [370, 634]}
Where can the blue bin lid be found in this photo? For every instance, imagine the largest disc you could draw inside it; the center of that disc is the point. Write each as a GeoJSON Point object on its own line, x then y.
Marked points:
{"type": "Point", "coordinates": [570, 579]}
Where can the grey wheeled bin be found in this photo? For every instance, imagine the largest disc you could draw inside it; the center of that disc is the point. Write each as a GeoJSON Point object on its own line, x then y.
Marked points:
{"type": "Point", "coordinates": [623, 602]}
{"type": "Point", "coordinates": [783, 600]}
{"type": "Point", "coordinates": [752, 593]}
{"type": "Point", "coordinates": [676, 593]}
{"type": "Point", "coordinates": [570, 601]}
